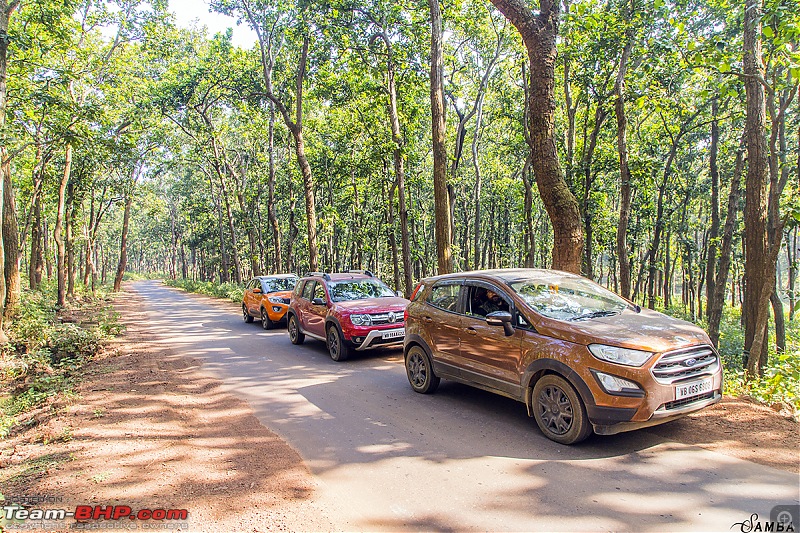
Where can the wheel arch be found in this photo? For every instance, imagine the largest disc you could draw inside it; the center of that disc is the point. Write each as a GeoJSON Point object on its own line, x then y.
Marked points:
{"type": "Point", "coordinates": [543, 367]}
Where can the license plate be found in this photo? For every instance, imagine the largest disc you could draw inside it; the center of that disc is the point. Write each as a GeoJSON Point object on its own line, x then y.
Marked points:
{"type": "Point", "coordinates": [693, 388]}
{"type": "Point", "coordinates": [393, 334]}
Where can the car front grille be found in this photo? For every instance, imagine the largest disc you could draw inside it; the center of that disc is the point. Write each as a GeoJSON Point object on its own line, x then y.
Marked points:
{"type": "Point", "coordinates": [679, 365]}
{"type": "Point", "coordinates": [395, 317]}
{"type": "Point", "coordinates": [677, 404]}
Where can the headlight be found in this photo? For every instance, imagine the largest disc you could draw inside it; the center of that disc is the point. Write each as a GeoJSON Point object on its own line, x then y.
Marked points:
{"type": "Point", "coordinates": [361, 320]}
{"type": "Point", "coordinates": [620, 356]}
{"type": "Point", "coordinates": [275, 300]}
{"type": "Point", "coordinates": [616, 384]}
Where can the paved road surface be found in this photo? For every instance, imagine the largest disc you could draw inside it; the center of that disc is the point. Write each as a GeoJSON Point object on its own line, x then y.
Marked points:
{"type": "Point", "coordinates": [386, 458]}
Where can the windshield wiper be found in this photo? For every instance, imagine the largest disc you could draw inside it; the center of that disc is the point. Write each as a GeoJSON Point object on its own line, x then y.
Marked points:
{"type": "Point", "coordinates": [595, 314]}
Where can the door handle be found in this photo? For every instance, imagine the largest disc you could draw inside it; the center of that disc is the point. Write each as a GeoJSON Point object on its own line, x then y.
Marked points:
{"type": "Point", "coordinates": [427, 319]}
{"type": "Point", "coordinates": [471, 331]}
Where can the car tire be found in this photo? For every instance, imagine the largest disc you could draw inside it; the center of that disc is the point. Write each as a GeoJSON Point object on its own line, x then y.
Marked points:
{"type": "Point", "coordinates": [295, 335]}
{"type": "Point", "coordinates": [559, 411]}
{"type": "Point", "coordinates": [419, 371]}
{"type": "Point", "coordinates": [246, 315]}
{"type": "Point", "coordinates": [338, 350]}
{"type": "Point", "coordinates": [266, 322]}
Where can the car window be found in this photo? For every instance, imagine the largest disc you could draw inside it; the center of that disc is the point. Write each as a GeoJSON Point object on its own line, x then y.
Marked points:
{"type": "Point", "coordinates": [444, 296]}
{"type": "Point", "coordinates": [358, 289]}
{"type": "Point", "coordinates": [569, 298]}
{"type": "Point", "coordinates": [319, 291]}
{"type": "Point", "coordinates": [278, 284]}
{"type": "Point", "coordinates": [482, 300]}
{"type": "Point", "coordinates": [308, 289]}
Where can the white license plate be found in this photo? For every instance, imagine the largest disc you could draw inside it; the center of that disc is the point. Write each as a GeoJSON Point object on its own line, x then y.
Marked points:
{"type": "Point", "coordinates": [393, 334]}
{"type": "Point", "coordinates": [693, 388]}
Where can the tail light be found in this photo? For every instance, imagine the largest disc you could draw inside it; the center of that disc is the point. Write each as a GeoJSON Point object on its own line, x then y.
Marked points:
{"type": "Point", "coordinates": [405, 314]}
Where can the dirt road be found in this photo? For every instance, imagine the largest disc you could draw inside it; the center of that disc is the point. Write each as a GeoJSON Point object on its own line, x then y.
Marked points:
{"type": "Point", "coordinates": [386, 458]}
{"type": "Point", "coordinates": [198, 407]}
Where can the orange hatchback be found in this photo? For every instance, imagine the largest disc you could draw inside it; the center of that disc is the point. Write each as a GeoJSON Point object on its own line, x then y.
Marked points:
{"type": "Point", "coordinates": [581, 358]}
{"type": "Point", "coordinates": [267, 298]}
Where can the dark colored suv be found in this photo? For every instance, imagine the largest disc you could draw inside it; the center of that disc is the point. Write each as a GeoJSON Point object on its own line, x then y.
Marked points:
{"type": "Point", "coordinates": [580, 357]}
{"type": "Point", "coordinates": [348, 311]}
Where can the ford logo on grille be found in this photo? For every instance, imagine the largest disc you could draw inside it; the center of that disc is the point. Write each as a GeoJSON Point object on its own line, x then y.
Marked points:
{"type": "Point", "coordinates": [690, 362]}
{"type": "Point", "coordinates": [392, 318]}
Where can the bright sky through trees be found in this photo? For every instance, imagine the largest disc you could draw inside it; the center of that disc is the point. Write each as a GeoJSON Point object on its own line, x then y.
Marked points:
{"type": "Point", "coordinates": [197, 12]}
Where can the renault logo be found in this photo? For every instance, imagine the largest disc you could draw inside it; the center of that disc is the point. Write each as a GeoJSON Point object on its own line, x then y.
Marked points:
{"type": "Point", "coordinates": [392, 317]}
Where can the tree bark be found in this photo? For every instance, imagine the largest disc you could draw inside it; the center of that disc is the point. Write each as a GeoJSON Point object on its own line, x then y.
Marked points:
{"type": "Point", "coordinates": [717, 302]}
{"type": "Point", "coordinates": [10, 244]}
{"type": "Point", "coordinates": [123, 243]}
{"type": "Point", "coordinates": [539, 33]}
{"type": "Point", "coordinates": [759, 282]}
{"type": "Point", "coordinates": [61, 266]}
{"type": "Point", "coordinates": [623, 254]}
{"type": "Point", "coordinates": [272, 212]}
{"type": "Point", "coordinates": [440, 194]}
{"type": "Point", "coordinates": [713, 235]}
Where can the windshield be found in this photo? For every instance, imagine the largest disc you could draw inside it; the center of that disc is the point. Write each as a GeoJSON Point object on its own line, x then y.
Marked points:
{"type": "Point", "coordinates": [279, 284]}
{"type": "Point", "coordinates": [358, 289]}
{"type": "Point", "coordinates": [569, 298]}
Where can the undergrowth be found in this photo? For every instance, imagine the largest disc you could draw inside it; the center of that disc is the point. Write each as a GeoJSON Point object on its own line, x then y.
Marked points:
{"type": "Point", "coordinates": [47, 347]}
{"type": "Point", "coordinates": [780, 383]}
{"type": "Point", "coordinates": [231, 291]}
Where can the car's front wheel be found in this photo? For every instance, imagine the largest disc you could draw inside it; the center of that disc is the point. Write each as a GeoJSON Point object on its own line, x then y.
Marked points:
{"type": "Point", "coordinates": [559, 411]}
{"type": "Point", "coordinates": [266, 323]}
{"type": "Point", "coordinates": [245, 315]}
{"type": "Point", "coordinates": [295, 335]}
{"type": "Point", "coordinates": [420, 371]}
{"type": "Point", "coordinates": [336, 347]}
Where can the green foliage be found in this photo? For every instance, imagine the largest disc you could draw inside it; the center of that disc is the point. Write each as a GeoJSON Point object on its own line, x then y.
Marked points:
{"type": "Point", "coordinates": [231, 291]}
{"type": "Point", "coordinates": [47, 349]}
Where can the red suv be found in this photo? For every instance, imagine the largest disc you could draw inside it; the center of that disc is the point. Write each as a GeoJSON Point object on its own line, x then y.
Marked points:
{"type": "Point", "coordinates": [349, 311]}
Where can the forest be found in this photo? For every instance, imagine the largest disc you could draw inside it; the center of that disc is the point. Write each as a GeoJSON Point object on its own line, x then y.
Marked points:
{"type": "Point", "coordinates": [651, 145]}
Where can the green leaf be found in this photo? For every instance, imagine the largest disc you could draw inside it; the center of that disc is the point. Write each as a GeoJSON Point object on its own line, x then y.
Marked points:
{"type": "Point", "coordinates": [658, 3]}
{"type": "Point", "coordinates": [767, 31]}
{"type": "Point", "coordinates": [725, 67]}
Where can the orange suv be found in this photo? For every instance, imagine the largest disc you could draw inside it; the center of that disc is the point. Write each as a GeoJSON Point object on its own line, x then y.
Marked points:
{"type": "Point", "coordinates": [581, 358]}
{"type": "Point", "coordinates": [267, 297]}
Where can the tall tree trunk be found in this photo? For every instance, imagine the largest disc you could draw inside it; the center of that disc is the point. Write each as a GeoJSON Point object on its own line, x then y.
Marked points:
{"type": "Point", "coordinates": [791, 257]}
{"type": "Point", "coordinates": [539, 32]}
{"type": "Point", "coordinates": [123, 243]}
{"type": "Point", "coordinates": [588, 218]}
{"type": "Point", "coordinates": [6, 9]}
{"type": "Point", "coordinates": [759, 282]}
{"type": "Point", "coordinates": [717, 302]}
{"type": "Point", "coordinates": [440, 195]}
{"type": "Point", "coordinates": [623, 254]}
{"type": "Point", "coordinates": [711, 261]}
{"type": "Point", "coordinates": [272, 212]}
{"type": "Point", "coordinates": [61, 263]}
{"type": "Point", "coordinates": [69, 239]}
{"type": "Point", "coordinates": [10, 243]}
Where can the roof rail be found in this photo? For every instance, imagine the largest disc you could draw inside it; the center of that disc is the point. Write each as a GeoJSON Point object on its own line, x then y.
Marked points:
{"type": "Point", "coordinates": [323, 275]}
{"type": "Point", "coordinates": [365, 272]}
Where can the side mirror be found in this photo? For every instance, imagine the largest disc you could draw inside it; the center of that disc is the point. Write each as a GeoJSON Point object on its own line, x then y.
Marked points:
{"type": "Point", "coordinates": [501, 318]}
{"type": "Point", "coordinates": [318, 301]}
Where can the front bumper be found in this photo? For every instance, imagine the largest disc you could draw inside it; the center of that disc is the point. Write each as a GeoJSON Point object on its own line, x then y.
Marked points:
{"type": "Point", "coordinates": [381, 337]}
{"type": "Point", "coordinates": [661, 415]}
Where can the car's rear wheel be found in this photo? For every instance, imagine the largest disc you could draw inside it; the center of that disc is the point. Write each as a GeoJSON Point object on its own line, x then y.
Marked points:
{"type": "Point", "coordinates": [266, 323]}
{"type": "Point", "coordinates": [336, 347]}
{"type": "Point", "coordinates": [420, 371]}
{"type": "Point", "coordinates": [559, 411]}
{"type": "Point", "coordinates": [245, 315]}
{"type": "Point", "coordinates": [295, 335]}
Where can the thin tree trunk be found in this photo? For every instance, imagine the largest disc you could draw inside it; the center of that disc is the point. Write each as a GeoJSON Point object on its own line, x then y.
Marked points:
{"type": "Point", "coordinates": [440, 194]}
{"type": "Point", "coordinates": [61, 267]}
{"type": "Point", "coordinates": [718, 300]}
{"type": "Point", "coordinates": [272, 213]}
{"type": "Point", "coordinates": [713, 235]}
{"type": "Point", "coordinates": [10, 243]}
{"type": "Point", "coordinates": [123, 244]}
